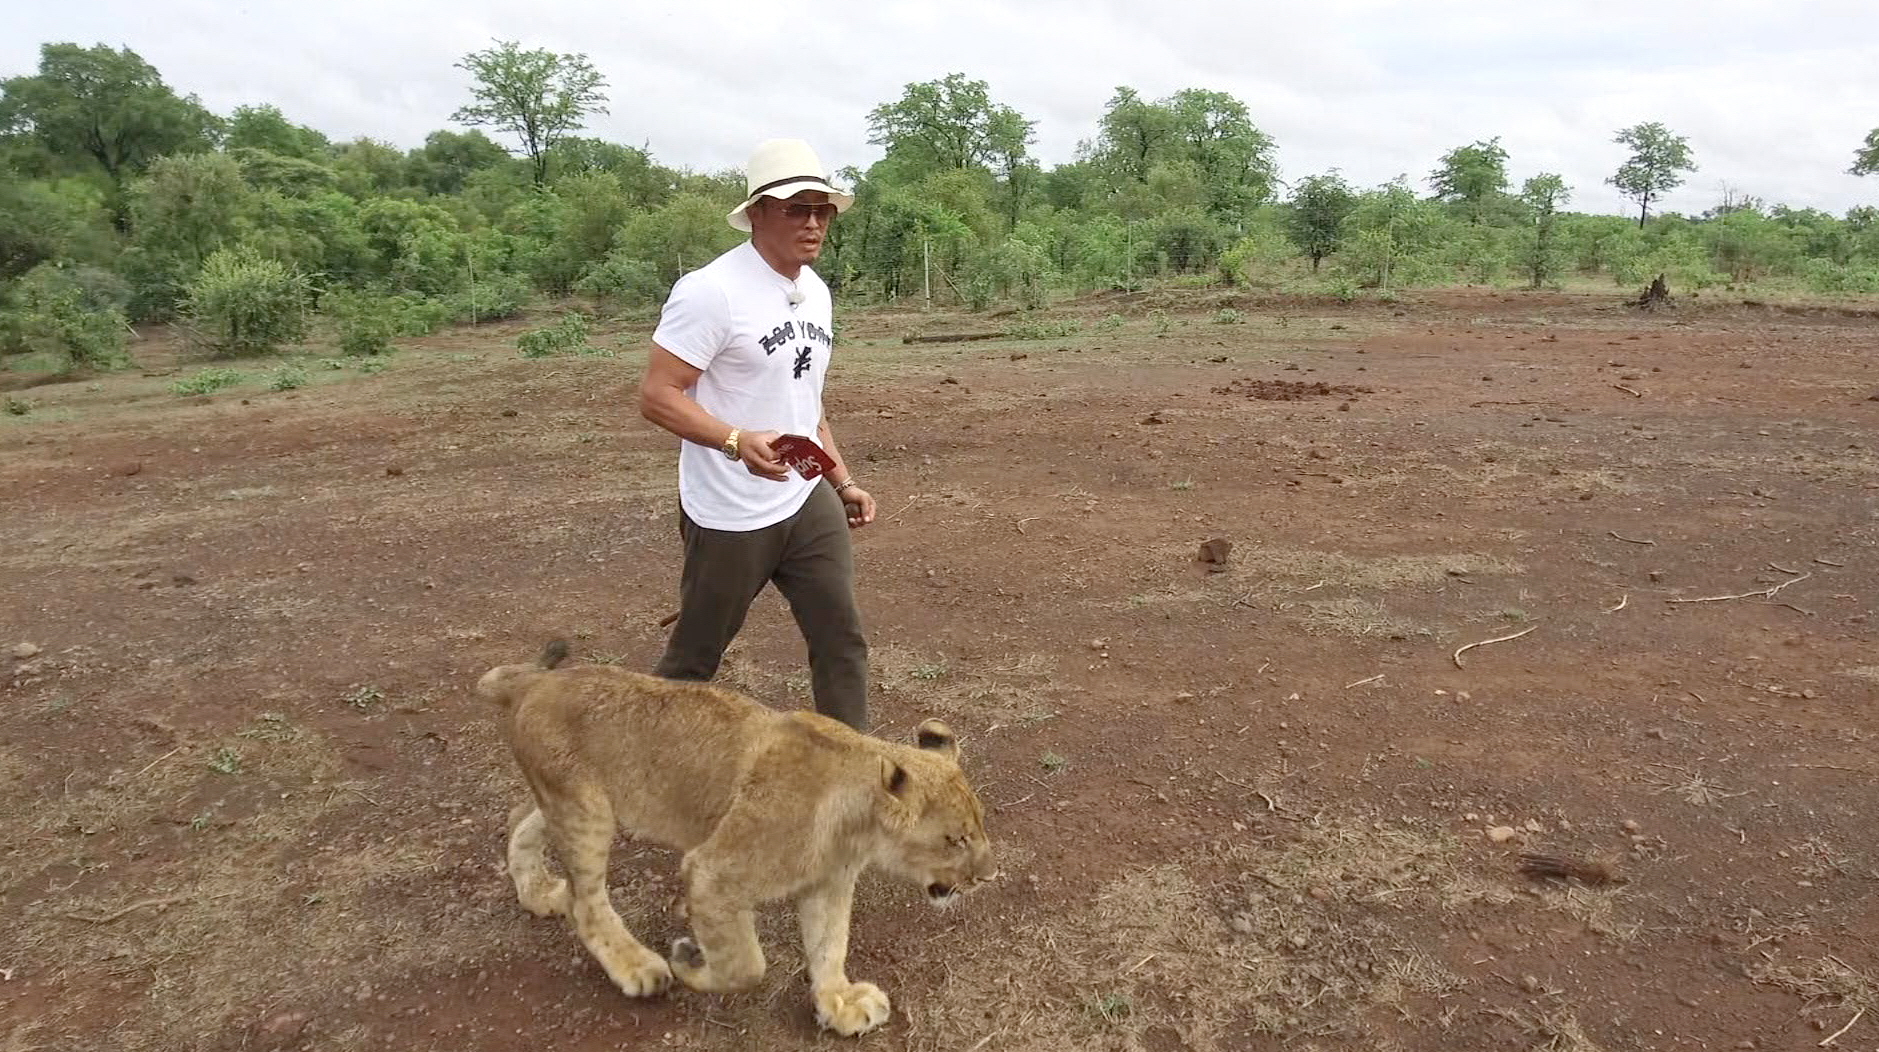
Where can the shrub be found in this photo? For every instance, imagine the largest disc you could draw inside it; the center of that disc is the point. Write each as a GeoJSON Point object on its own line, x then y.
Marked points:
{"type": "Point", "coordinates": [207, 381]}
{"type": "Point", "coordinates": [244, 304]}
{"type": "Point", "coordinates": [51, 311]}
{"type": "Point", "coordinates": [567, 336]}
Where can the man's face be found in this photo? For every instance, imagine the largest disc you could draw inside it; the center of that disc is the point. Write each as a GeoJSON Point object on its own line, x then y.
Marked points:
{"type": "Point", "coordinates": [792, 230]}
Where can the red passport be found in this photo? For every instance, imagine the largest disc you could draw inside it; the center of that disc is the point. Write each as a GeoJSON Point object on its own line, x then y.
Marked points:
{"type": "Point", "coordinates": [809, 459]}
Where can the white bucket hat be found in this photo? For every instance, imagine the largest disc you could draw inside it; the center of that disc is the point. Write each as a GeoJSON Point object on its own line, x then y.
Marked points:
{"type": "Point", "coordinates": [782, 168]}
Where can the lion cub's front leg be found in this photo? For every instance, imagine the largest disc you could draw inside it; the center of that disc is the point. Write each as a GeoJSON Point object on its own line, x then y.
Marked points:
{"type": "Point", "coordinates": [845, 1007]}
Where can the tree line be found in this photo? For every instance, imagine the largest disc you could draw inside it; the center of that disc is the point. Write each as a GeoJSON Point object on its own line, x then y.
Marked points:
{"type": "Point", "coordinates": [123, 202]}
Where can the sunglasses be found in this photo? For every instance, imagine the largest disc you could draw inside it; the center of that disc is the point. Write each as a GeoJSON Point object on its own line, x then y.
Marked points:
{"type": "Point", "coordinates": [798, 211]}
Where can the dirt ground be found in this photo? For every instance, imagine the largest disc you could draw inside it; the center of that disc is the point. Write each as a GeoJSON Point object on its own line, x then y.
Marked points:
{"type": "Point", "coordinates": [247, 800]}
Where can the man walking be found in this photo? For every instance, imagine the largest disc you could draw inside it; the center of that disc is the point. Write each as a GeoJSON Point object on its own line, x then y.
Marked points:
{"type": "Point", "coordinates": [738, 360]}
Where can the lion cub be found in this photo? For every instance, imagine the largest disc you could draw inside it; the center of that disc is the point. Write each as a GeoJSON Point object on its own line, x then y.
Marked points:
{"type": "Point", "coordinates": [765, 805]}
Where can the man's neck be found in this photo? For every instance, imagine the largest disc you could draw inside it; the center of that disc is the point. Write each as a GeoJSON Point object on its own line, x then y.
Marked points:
{"type": "Point", "coordinates": [791, 271]}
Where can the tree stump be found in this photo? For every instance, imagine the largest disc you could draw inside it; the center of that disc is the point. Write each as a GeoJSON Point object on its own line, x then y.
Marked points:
{"type": "Point", "coordinates": [1656, 296]}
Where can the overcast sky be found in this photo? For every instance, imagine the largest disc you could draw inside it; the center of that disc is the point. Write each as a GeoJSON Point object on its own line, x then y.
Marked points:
{"type": "Point", "coordinates": [1773, 97]}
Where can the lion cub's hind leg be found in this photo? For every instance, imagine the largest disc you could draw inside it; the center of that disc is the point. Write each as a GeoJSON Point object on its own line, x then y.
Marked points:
{"type": "Point", "coordinates": [583, 831]}
{"type": "Point", "coordinates": [540, 891]}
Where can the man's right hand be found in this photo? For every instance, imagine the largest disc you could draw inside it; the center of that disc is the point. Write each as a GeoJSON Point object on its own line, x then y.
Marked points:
{"type": "Point", "coordinates": [753, 448]}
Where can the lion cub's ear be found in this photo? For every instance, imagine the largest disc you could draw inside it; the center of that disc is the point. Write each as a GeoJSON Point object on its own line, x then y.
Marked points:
{"type": "Point", "coordinates": [893, 777]}
{"type": "Point", "coordinates": [937, 737]}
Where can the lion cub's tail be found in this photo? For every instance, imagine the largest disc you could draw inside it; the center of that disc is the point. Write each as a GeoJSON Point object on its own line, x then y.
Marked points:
{"type": "Point", "coordinates": [505, 683]}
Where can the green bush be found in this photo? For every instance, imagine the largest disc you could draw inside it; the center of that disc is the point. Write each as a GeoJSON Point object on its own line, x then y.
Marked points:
{"type": "Point", "coordinates": [244, 304]}
{"type": "Point", "coordinates": [491, 298]}
{"type": "Point", "coordinates": [287, 378]}
{"type": "Point", "coordinates": [51, 311]}
{"type": "Point", "coordinates": [567, 336]}
{"type": "Point", "coordinates": [623, 281]}
{"type": "Point", "coordinates": [207, 381]}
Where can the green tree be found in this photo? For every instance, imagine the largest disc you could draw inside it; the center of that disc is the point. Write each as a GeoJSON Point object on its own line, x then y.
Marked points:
{"type": "Point", "coordinates": [444, 164]}
{"type": "Point", "coordinates": [1866, 158]}
{"type": "Point", "coordinates": [1134, 133]}
{"type": "Point", "coordinates": [1215, 132]}
{"type": "Point", "coordinates": [1472, 177]}
{"type": "Point", "coordinates": [1315, 221]}
{"type": "Point", "coordinates": [1389, 236]}
{"type": "Point", "coordinates": [950, 123]}
{"type": "Point", "coordinates": [536, 95]}
{"type": "Point", "coordinates": [266, 128]}
{"type": "Point", "coordinates": [1542, 253]}
{"type": "Point", "coordinates": [1656, 166]}
{"type": "Point", "coordinates": [109, 106]}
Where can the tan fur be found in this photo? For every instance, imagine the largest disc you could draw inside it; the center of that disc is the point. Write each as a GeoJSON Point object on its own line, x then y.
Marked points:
{"type": "Point", "coordinates": [765, 805]}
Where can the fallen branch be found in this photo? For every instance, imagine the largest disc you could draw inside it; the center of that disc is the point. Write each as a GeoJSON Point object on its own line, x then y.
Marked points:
{"type": "Point", "coordinates": [1485, 642]}
{"type": "Point", "coordinates": [1828, 562]}
{"type": "Point", "coordinates": [1361, 682]}
{"type": "Point", "coordinates": [668, 619]}
{"type": "Point", "coordinates": [1782, 569]}
{"type": "Point", "coordinates": [1630, 540]}
{"type": "Point", "coordinates": [1766, 593]}
{"type": "Point", "coordinates": [1628, 390]}
{"type": "Point", "coordinates": [1138, 964]}
{"type": "Point", "coordinates": [140, 904]}
{"type": "Point", "coordinates": [957, 337]}
{"type": "Point", "coordinates": [159, 760]}
{"type": "Point", "coordinates": [1622, 600]}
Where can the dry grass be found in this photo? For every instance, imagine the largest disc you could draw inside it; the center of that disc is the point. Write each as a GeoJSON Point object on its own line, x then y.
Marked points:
{"type": "Point", "coordinates": [249, 862]}
{"type": "Point", "coordinates": [1316, 936]}
{"type": "Point", "coordinates": [1021, 690]}
{"type": "Point", "coordinates": [1825, 983]}
{"type": "Point", "coordinates": [1554, 1031]}
{"type": "Point", "coordinates": [1354, 617]}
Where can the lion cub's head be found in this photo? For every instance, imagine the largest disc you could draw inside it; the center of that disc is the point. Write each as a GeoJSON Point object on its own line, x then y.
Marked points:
{"type": "Point", "coordinates": [935, 824]}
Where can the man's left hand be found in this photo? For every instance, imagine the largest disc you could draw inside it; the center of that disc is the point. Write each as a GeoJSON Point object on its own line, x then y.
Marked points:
{"type": "Point", "coordinates": [860, 506]}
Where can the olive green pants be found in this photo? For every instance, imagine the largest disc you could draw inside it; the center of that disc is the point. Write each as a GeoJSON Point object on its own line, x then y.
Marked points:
{"type": "Point", "coordinates": [810, 559]}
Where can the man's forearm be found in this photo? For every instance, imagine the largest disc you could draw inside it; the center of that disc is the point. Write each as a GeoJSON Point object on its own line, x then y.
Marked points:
{"type": "Point", "coordinates": [826, 439]}
{"type": "Point", "coordinates": [684, 417]}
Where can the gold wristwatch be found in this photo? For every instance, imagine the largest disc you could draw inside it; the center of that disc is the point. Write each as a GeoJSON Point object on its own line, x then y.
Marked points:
{"type": "Point", "coordinates": [730, 444]}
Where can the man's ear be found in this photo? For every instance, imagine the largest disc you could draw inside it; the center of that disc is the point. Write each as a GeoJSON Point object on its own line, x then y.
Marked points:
{"type": "Point", "coordinates": [935, 736]}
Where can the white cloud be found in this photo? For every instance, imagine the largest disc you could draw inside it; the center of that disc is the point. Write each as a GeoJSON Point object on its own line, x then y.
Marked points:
{"type": "Point", "coordinates": [1773, 98]}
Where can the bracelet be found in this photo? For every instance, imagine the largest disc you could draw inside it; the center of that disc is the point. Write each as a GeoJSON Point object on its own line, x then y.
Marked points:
{"type": "Point", "coordinates": [730, 444]}
{"type": "Point", "coordinates": [849, 482]}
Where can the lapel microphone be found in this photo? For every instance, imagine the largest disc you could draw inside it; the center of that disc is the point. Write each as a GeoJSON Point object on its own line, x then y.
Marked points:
{"type": "Point", "coordinates": [795, 296]}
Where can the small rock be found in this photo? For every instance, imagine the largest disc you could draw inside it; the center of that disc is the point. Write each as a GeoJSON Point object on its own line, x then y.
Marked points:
{"type": "Point", "coordinates": [1241, 923]}
{"type": "Point", "coordinates": [1630, 825]}
{"type": "Point", "coordinates": [1502, 834]}
{"type": "Point", "coordinates": [1533, 826]}
{"type": "Point", "coordinates": [1018, 356]}
{"type": "Point", "coordinates": [1531, 984]}
{"type": "Point", "coordinates": [507, 412]}
{"type": "Point", "coordinates": [25, 651]}
{"type": "Point", "coordinates": [1299, 942]}
{"type": "Point", "coordinates": [1655, 732]}
{"type": "Point", "coordinates": [1214, 553]}
{"type": "Point", "coordinates": [394, 471]}
{"type": "Point", "coordinates": [1471, 817]}
{"type": "Point", "coordinates": [130, 467]}
{"type": "Point", "coordinates": [286, 1024]}
{"type": "Point", "coordinates": [949, 380]}
{"type": "Point", "coordinates": [1154, 418]}
{"type": "Point", "coordinates": [1321, 894]}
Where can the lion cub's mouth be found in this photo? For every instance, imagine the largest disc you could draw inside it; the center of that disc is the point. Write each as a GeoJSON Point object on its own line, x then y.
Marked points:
{"type": "Point", "coordinates": [939, 893]}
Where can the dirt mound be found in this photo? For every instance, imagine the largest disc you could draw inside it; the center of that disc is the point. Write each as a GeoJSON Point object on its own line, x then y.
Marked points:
{"type": "Point", "coordinates": [1288, 390]}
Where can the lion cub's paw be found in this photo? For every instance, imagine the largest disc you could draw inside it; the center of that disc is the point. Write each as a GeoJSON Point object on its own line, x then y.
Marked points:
{"type": "Point", "coordinates": [548, 898]}
{"type": "Point", "coordinates": [647, 977]}
{"type": "Point", "coordinates": [851, 1010]}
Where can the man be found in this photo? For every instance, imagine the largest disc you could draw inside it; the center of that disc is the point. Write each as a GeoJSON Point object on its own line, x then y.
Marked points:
{"type": "Point", "coordinates": [738, 360]}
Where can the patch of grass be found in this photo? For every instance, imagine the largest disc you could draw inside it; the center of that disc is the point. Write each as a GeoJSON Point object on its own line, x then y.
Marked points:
{"type": "Point", "coordinates": [363, 696]}
{"type": "Point", "coordinates": [1361, 618]}
{"type": "Point", "coordinates": [1557, 1030]}
{"type": "Point", "coordinates": [568, 335]}
{"type": "Point", "coordinates": [1111, 1008]}
{"type": "Point", "coordinates": [374, 366]}
{"type": "Point", "coordinates": [1825, 983]}
{"type": "Point", "coordinates": [225, 761]}
{"type": "Point", "coordinates": [1111, 322]}
{"type": "Point", "coordinates": [1052, 762]}
{"type": "Point", "coordinates": [272, 727]}
{"type": "Point", "coordinates": [1044, 329]}
{"type": "Point", "coordinates": [929, 671]}
{"type": "Point", "coordinates": [1228, 316]}
{"type": "Point", "coordinates": [208, 381]}
{"type": "Point", "coordinates": [1181, 485]}
{"type": "Point", "coordinates": [18, 406]}
{"type": "Point", "coordinates": [248, 493]}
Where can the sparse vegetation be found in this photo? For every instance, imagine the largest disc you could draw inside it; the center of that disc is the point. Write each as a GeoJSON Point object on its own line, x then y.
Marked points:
{"type": "Point", "coordinates": [208, 381]}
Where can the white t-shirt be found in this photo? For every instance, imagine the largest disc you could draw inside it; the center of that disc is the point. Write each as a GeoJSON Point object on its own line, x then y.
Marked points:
{"type": "Point", "coordinates": [764, 361]}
